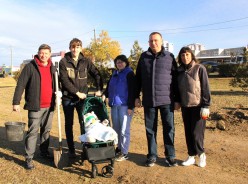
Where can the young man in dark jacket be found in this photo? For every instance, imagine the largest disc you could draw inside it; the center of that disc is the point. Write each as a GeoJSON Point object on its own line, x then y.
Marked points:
{"type": "Point", "coordinates": [37, 79]}
{"type": "Point", "coordinates": [156, 78]}
{"type": "Point", "coordinates": [74, 68]}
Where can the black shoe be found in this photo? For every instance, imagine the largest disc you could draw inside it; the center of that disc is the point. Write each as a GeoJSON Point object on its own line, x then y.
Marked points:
{"type": "Point", "coordinates": [29, 164]}
{"type": "Point", "coordinates": [46, 155]}
{"type": "Point", "coordinates": [72, 154]}
{"type": "Point", "coordinates": [150, 162]}
{"type": "Point", "coordinates": [171, 162]}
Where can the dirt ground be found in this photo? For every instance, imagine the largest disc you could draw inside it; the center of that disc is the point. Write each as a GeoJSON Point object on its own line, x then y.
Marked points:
{"type": "Point", "coordinates": [227, 161]}
{"type": "Point", "coordinates": [226, 150]}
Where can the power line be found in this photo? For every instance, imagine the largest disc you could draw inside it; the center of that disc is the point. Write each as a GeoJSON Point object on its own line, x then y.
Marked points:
{"type": "Point", "coordinates": [203, 25]}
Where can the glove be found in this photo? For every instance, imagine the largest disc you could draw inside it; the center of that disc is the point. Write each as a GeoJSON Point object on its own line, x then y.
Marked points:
{"type": "Point", "coordinates": [204, 113]}
{"type": "Point", "coordinates": [59, 93]}
{"type": "Point", "coordinates": [58, 97]}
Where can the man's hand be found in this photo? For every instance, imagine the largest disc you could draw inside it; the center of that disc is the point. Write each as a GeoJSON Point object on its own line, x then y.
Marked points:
{"type": "Point", "coordinates": [16, 108]}
{"type": "Point", "coordinates": [81, 95]}
{"type": "Point", "coordinates": [137, 102]}
{"type": "Point", "coordinates": [98, 93]}
{"type": "Point", "coordinates": [103, 98]}
{"type": "Point", "coordinates": [177, 106]}
{"type": "Point", "coordinates": [129, 112]}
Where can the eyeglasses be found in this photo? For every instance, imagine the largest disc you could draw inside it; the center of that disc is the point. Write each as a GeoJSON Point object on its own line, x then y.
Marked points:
{"type": "Point", "coordinates": [119, 62]}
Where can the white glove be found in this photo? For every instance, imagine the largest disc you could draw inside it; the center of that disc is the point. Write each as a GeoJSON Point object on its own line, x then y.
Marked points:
{"type": "Point", "coordinates": [204, 113]}
{"type": "Point", "coordinates": [58, 97]}
{"type": "Point", "coordinates": [59, 93]}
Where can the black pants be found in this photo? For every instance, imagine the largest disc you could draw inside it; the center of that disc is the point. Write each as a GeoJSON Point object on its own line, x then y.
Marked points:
{"type": "Point", "coordinates": [68, 107]}
{"type": "Point", "coordinates": [194, 128]}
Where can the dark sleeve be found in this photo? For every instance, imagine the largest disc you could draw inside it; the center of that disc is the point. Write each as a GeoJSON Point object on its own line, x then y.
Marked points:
{"type": "Point", "coordinates": [21, 84]}
{"type": "Point", "coordinates": [94, 72]}
{"type": "Point", "coordinates": [106, 90]}
{"type": "Point", "coordinates": [131, 89]}
{"type": "Point", "coordinates": [64, 78]}
{"type": "Point", "coordinates": [175, 92]}
{"type": "Point", "coordinates": [205, 89]}
{"type": "Point", "coordinates": [138, 78]}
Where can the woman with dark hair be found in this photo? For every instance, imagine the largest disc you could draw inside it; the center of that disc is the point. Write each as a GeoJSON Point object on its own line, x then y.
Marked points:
{"type": "Point", "coordinates": [120, 93]}
{"type": "Point", "coordinates": [195, 101]}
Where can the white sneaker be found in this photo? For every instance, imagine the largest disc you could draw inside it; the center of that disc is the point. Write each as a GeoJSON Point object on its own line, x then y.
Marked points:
{"type": "Point", "coordinates": [190, 161]}
{"type": "Point", "coordinates": [202, 160]}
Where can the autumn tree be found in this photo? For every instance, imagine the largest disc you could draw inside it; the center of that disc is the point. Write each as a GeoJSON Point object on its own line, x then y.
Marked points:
{"type": "Point", "coordinates": [135, 55]}
{"type": "Point", "coordinates": [103, 50]}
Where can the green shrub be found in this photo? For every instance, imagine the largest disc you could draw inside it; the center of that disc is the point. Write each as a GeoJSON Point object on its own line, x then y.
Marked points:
{"type": "Point", "coordinates": [16, 75]}
{"type": "Point", "coordinates": [241, 77]}
{"type": "Point", "coordinates": [228, 70]}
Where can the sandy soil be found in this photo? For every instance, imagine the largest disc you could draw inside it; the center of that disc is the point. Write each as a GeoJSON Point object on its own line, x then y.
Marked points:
{"type": "Point", "coordinates": [227, 160]}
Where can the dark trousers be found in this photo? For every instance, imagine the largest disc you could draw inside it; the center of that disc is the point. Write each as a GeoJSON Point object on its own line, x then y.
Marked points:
{"type": "Point", "coordinates": [68, 107]}
{"type": "Point", "coordinates": [38, 120]}
{"type": "Point", "coordinates": [194, 127]}
{"type": "Point", "coordinates": [151, 123]}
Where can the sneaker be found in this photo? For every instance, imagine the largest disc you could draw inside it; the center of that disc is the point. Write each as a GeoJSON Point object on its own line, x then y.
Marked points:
{"type": "Point", "coordinates": [46, 155]}
{"type": "Point", "coordinates": [202, 160]}
{"type": "Point", "coordinates": [72, 154]}
{"type": "Point", "coordinates": [190, 161]}
{"type": "Point", "coordinates": [29, 164]}
{"type": "Point", "coordinates": [121, 157]}
{"type": "Point", "coordinates": [171, 162]}
{"type": "Point", "coordinates": [150, 162]}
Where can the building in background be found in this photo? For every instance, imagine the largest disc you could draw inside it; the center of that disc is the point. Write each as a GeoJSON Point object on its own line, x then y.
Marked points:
{"type": "Point", "coordinates": [219, 55]}
{"type": "Point", "coordinates": [168, 46]}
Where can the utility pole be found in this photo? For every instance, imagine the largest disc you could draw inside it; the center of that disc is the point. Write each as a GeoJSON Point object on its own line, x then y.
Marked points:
{"type": "Point", "coordinates": [95, 35]}
{"type": "Point", "coordinates": [11, 61]}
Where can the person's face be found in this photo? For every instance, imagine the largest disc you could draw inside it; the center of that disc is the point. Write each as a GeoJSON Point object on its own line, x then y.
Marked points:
{"type": "Point", "coordinates": [44, 55]}
{"type": "Point", "coordinates": [186, 57]}
{"type": "Point", "coordinates": [75, 50]}
{"type": "Point", "coordinates": [155, 43]}
{"type": "Point", "coordinates": [120, 64]}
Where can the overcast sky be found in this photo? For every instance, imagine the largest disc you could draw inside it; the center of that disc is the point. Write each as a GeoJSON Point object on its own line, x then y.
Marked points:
{"type": "Point", "coordinates": [26, 24]}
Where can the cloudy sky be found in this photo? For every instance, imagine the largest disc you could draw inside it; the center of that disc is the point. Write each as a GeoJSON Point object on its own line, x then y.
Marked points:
{"type": "Point", "coordinates": [26, 24]}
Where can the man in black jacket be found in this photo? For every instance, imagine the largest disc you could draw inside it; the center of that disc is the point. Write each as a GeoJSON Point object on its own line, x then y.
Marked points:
{"type": "Point", "coordinates": [73, 69]}
{"type": "Point", "coordinates": [156, 77]}
{"type": "Point", "coordinates": [37, 79]}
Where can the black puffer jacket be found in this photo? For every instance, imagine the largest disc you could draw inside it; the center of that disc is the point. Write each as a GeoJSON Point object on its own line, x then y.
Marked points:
{"type": "Point", "coordinates": [29, 80]}
{"type": "Point", "coordinates": [156, 78]}
{"type": "Point", "coordinates": [74, 78]}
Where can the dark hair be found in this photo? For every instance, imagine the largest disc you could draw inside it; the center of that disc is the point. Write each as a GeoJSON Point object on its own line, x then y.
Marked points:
{"type": "Point", "coordinates": [153, 33]}
{"type": "Point", "coordinates": [75, 42]}
{"type": "Point", "coordinates": [44, 46]}
{"type": "Point", "coordinates": [184, 50]}
{"type": "Point", "coordinates": [122, 58]}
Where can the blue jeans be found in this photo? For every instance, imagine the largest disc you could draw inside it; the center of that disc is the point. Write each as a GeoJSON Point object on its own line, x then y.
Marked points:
{"type": "Point", "coordinates": [151, 124]}
{"type": "Point", "coordinates": [121, 123]}
{"type": "Point", "coordinates": [68, 107]}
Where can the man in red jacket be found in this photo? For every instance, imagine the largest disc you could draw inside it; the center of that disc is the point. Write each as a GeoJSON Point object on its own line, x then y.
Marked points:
{"type": "Point", "coordinates": [37, 79]}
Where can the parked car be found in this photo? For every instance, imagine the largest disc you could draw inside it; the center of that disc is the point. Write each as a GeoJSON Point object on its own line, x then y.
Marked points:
{"type": "Point", "coordinates": [212, 66]}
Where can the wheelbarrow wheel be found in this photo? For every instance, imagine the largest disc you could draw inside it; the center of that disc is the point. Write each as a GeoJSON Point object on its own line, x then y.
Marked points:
{"type": "Point", "coordinates": [94, 171]}
{"type": "Point", "coordinates": [107, 171]}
